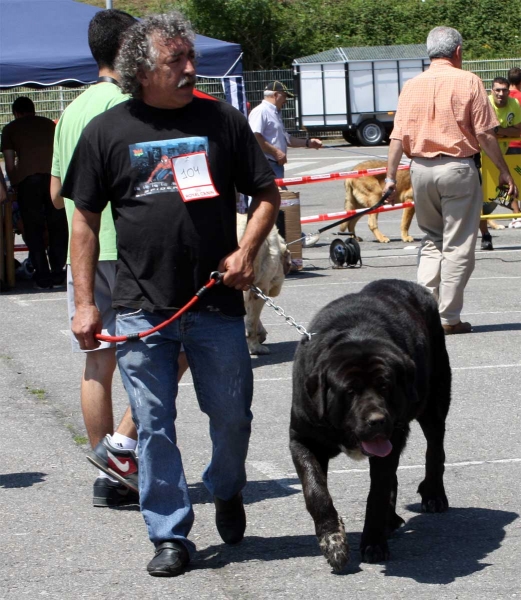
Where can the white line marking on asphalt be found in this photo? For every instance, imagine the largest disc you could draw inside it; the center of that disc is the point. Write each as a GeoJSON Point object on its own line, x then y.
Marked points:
{"type": "Point", "coordinates": [479, 367]}
{"type": "Point", "coordinates": [24, 301]}
{"type": "Point", "coordinates": [467, 463]}
{"type": "Point", "coordinates": [334, 168]}
{"type": "Point", "coordinates": [476, 368]}
{"type": "Point", "coordinates": [270, 471]}
{"type": "Point", "coordinates": [323, 157]}
{"type": "Point", "coordinates": [296, 165]}
{"type": "Point", "coordinates": [493, 312]}
{"type": "Point", "coordinates": [286, 481]}
{"type": "Point", "coordinates": [326, 283]}
{"type": "Point", "coordinates": [490, 278]}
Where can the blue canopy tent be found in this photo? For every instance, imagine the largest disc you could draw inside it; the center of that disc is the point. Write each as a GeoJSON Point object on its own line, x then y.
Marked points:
{"type": "Point", "coordinates": [44, 43]}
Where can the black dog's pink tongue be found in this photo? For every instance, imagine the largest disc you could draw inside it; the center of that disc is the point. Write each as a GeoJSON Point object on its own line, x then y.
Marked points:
{"type": "Point", "coordinates": [380, 446]}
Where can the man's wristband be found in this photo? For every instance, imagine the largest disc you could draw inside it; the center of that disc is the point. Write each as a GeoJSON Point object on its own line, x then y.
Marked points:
{"type": "Point", "coordinates": [389, 180]}
{"type": "Point", "coordinates": [307, 142]}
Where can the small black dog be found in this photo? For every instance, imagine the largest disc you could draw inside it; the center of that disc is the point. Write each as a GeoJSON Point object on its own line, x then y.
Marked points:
{"type": "Point", "coordinates": [377, 361]}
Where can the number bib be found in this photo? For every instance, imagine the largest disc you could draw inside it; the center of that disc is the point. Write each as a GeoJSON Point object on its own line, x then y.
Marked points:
{"type": "Point", "coordinates": [193, 178]}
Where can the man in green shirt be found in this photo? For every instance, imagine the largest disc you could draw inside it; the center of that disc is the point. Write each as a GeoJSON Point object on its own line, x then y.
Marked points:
{"type": "Point", "coordinates": [113, 454]}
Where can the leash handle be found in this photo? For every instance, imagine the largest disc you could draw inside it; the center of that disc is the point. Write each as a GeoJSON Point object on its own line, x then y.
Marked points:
{"type": "Point", "coordinates": [380, 203]}
{"type": "Point", "coordinates": [215, 279]}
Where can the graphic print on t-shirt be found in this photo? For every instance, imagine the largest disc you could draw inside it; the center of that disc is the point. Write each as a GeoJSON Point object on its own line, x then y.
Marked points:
{"type": "Point", "coordinates": [152, 162]}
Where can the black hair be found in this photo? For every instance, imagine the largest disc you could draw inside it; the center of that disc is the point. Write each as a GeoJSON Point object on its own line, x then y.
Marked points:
{"type": "Point", "coordinates": [106, 31]}
{"type": "Point", "coordinates": [501, 80]}
{"type": "Point", "coordinates": [23, 105]}
{"type": "Point", "coordinates": [514, 76]}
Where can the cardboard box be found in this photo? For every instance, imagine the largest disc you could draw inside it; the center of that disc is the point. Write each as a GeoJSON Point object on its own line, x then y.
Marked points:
{"type": "Point", "coordinates": [290, 206]}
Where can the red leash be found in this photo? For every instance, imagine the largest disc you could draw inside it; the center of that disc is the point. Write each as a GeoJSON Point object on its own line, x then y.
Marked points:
{"type": "Point", "coordinates": [215, 278]}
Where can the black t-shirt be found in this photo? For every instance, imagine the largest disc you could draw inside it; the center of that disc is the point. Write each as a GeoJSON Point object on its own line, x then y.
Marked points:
{"type": "Point", "coordinates": [167, 248]}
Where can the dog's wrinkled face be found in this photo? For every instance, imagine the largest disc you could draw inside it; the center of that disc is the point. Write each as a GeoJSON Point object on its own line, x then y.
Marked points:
{"type": "Point", "coordinates": [361, 391]}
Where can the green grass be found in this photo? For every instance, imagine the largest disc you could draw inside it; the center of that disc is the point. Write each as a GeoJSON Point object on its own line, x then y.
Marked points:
{"type": "Point", "coordinates": [80, 440]}
{"type": "Point", "coordinates": [39, 393]}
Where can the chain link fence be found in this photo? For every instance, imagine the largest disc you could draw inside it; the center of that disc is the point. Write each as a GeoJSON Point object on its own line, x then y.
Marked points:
{"type": "Point", "coordinates": [50, 102]}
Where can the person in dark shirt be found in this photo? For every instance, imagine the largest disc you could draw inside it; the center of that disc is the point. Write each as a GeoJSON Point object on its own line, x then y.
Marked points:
{"type": "Point", "coordinates": [171, 236]}
{"type": "Point", "coordinates": [27, 144]}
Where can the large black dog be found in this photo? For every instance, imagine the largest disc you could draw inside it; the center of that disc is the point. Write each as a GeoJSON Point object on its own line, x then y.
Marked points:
{"type": "Point", "coordinates": [377, 361]}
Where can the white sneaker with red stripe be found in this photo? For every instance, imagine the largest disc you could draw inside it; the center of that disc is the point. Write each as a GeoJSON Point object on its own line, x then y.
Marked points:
{"type": "Point", "coordinates": [117, 462]}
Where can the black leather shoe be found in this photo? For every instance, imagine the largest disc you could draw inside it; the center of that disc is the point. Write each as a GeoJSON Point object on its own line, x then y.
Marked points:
{"type": "Point", "coordinates": [230, 518]}
{"type": "Point", "coordinates": [170, 560]}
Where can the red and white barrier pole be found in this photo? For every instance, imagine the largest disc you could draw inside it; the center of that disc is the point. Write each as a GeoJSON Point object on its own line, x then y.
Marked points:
{"type": "Point", "coordinates": [332, 176]}
{"type": "Point", "coordinates": [349, 213]}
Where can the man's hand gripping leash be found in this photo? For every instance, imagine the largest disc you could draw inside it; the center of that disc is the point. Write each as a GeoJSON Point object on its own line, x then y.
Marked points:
{"type": "Point", "coordinates": [215, 279]}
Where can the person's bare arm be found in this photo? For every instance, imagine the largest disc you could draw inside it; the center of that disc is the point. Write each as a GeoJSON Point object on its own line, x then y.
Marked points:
{"type": "Point", "coordinates": [296, 142]}
{"type": "Point", "coordinates": [393, 160]}
{"type": "Point", "coordinates": [56, 188]}
{"type": "Point", "coordinates": [512, 131]}
{"type": "Point", "coordinates": [84, 258]}
{"type": "Point", "coordinates": [268, 148]}
{"type": "Point", "coordinates": [10, 164]}
{"type": "Point", "coordinates": [3, 188]}
{"type": "Point", "coordinates": [238, 266]}
{"type": "Point", "coordinates": [487, 140]}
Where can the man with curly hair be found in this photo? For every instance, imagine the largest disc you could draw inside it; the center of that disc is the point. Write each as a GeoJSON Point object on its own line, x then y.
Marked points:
{"type": "Point", "coordinates": [171, 236]}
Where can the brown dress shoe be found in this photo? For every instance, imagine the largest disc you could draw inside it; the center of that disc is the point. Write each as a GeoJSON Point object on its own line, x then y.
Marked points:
{"type": "Point", "coordinates": [458, 328]}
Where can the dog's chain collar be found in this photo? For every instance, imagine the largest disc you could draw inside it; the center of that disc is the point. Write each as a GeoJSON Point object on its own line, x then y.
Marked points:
{"type": "Point", "coordinates": [280, 311]}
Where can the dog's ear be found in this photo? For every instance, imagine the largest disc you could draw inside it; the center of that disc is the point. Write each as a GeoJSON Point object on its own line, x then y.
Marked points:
{"type": "Point", "coordinates": [406, 384]}
{"type": "Point", "coordinates": [316, 387]}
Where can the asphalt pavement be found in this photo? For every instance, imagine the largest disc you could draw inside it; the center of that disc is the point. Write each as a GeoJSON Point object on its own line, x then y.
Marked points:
{"type": "Point", "coordinates": [54, 544]}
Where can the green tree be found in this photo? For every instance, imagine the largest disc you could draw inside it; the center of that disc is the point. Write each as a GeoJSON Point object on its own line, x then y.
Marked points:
{"type": "Point", "coordinates": [274, 32]}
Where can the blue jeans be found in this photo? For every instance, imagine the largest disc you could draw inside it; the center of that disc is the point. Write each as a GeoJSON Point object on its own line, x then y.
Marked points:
{"type": "Point", "coordinates": [217, 353]}
{"type": "Point", "coordinates": [277, 169]}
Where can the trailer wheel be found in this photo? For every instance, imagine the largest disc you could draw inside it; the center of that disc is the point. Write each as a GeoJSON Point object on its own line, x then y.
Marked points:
{"type": "Point", "coordinates": [370, 132]}
{"type": "Point", "coordinates": [350, 137]}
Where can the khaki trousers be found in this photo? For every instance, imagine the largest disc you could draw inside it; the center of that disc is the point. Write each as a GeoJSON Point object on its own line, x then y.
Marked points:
{"type": "Point", "coordinates": [448, 200]}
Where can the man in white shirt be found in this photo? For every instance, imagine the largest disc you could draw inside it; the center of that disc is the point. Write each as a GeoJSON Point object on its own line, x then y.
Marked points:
{"type": "Point", "coordinates": [268, 127]}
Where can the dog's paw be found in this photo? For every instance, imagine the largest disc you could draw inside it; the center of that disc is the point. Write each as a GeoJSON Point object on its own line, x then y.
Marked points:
{"type": "Point", "coordinates": [335, 548]}
{"type": "Point", "coordinates": [384, 239]}
{"type": "Point", "coordinates": [433, 500]}
{"type": "Point", "coordinates": [407, 239]}
{"type": "Point", "coordinates": [375, 553]}
{"type": "Point", "coordinates": [493, 225]}
{"type": "Point", "coordinates": [258, 349]}
{"type": "Point", "coordinates": [262, 334]}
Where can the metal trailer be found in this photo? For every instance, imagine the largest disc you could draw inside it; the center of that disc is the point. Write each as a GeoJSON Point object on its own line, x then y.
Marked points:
{"type": "Point", "coordinates": [354, 90]}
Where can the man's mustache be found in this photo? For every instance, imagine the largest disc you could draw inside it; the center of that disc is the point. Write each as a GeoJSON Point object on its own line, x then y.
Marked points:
{"type": "Point", "coordinates": [186, 81]}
